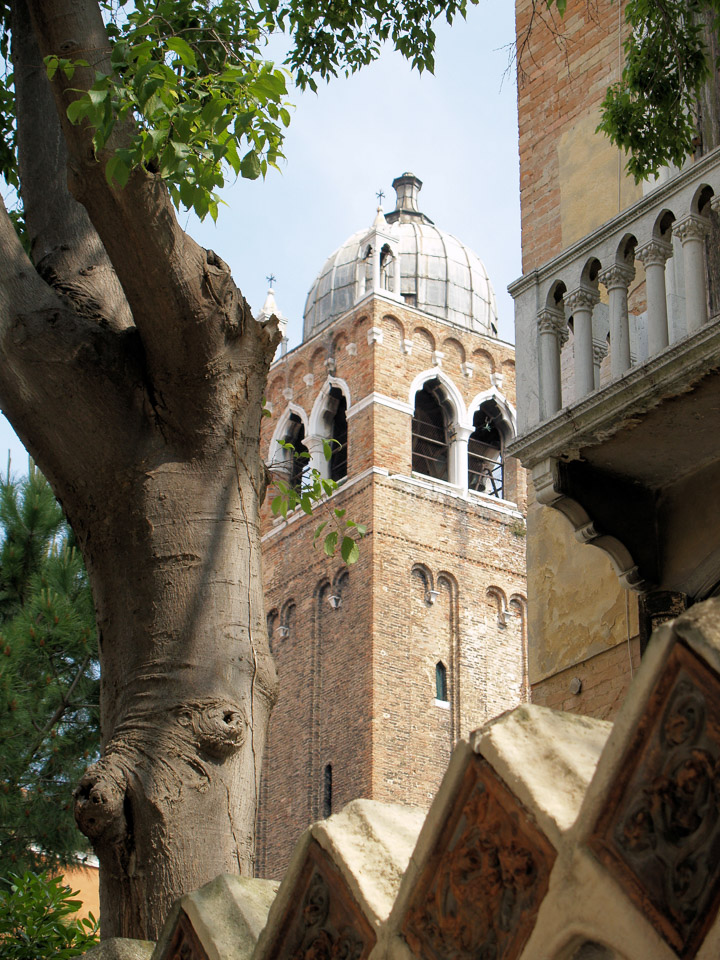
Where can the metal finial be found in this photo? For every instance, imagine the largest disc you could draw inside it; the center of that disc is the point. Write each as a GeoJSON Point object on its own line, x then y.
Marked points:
{"type": "Point", "coordinates": [271, 279]}
{"type": "Point", "coordinates": [380, 195]}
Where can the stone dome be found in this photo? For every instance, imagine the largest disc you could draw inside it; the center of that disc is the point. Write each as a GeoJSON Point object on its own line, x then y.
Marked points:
{"type": "Point", "coordinates": [438, 273]}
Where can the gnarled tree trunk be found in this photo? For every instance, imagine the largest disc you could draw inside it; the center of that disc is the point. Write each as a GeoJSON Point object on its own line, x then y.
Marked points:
{"type": "Point", "coordinates": [133, 371]}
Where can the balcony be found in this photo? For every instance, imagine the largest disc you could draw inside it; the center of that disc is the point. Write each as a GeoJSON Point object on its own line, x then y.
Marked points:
{"type": "Point", "coordinates": [619, 396]}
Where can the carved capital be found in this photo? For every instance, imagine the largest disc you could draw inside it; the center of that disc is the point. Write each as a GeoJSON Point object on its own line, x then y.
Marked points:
{"type": "Point", "coordinates": [584, 298]}
{"type": "Point", "coordinates": [691, 227]}
{"type": "Point", "coordinates": [550, 321]}
{"type": "Point", "coordinates": [654, 253]}
{"type": "Point", "coordinates": [617, 276]}
{"type": "Point", "coordinates": [599, 351]}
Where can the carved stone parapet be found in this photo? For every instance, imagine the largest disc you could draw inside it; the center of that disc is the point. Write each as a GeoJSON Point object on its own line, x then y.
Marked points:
{"type": "Point", "coordinates": [655, 252]}
{"type": "Point", "coordinates": [691, 227]}
{"type": "Point", "coordinates": [550, 321]}
{"type": "Point", "coordinates": [660, 830]}
{"type": "Point", "coordinates": [617, 276]}
{"type": "Point", "coordinates": [482, 886]}
{"type": "Point", "coordinates": [584, 298]}
{"type": "Point", "coordinates": [325, 923]}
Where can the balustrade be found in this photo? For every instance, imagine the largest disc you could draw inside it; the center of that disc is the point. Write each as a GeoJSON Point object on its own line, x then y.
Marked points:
{"type": "Point", "coordinates": [642, 234]}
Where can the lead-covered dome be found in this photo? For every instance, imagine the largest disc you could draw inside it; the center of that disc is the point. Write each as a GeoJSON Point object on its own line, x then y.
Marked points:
{"type": "Point", "coordinates": [438, 273]}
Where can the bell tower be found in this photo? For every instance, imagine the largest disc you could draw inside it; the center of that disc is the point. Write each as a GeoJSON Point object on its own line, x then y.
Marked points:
{"type": "Point", "coordinates": [383, 666]}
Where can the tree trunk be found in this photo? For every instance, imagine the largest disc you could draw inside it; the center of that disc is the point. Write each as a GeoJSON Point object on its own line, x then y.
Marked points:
{"type": "Point", "coordinates": [187, 682]}
{"type": "Point", "coordinates": [133, 371]}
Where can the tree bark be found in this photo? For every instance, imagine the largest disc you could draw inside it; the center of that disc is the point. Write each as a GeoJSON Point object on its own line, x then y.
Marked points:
{"type": "Point", "coordinates": [133, 371]}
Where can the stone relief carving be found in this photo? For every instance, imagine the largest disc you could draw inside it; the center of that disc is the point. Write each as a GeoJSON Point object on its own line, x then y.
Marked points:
{"type": "Point", "coordinates": [480, 892]}
{"type": "Point", "coordinates": [185, 944]}
{"type": "Point", "coordinates": [660, 832]}
{"type": "Point", "coordinates": [324, 922]}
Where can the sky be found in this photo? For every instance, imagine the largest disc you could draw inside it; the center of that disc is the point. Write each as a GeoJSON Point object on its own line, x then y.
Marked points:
{"type": "Point", "coordinates": [456, 131]}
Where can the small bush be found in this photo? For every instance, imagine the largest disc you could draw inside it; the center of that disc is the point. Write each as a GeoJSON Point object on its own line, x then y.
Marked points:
{"type": "Point", "coordinates": [36, 919]}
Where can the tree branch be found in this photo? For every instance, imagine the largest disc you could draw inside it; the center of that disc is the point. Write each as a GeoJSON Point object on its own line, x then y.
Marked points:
{"type": "Point", "coordinates": [65, 248]}
{"type": "Point", "coordinates": [169, 280]}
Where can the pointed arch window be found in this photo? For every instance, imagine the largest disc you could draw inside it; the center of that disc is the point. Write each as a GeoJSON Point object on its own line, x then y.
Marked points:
{"type": "Point", "coordinates": [430, 446]}
{"type": "Point", "coordinates": [298, 466]}
{"type": "Point", "coordinates": [336, 419]}
{"type": "Point", "coordinates": [387, 268]}
{"type": "Point", "coordinates": [441, 690]}
{"type": "Point", "coordinates": [485, 450]}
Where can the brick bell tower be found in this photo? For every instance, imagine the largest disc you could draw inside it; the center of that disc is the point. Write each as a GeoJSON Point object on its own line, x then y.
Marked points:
{"type": "Point", "coordinates": [385, 665]}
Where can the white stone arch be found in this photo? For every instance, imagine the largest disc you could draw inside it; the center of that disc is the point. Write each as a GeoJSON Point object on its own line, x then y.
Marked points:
{"type": "Point", "coordinates": [315, 425]}
{"type": "Point", "coordinates": [506, 407]}
{"type": "Point", "coordinates": [453, 394]}
{"type": "Point", "coordinates": [457, 431]}
{"type": "Point", "coordinates": [276, 454]}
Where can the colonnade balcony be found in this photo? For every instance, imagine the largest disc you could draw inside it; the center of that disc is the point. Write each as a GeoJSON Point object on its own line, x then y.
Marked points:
{"type": "Point", "coordinates": [618, 378]}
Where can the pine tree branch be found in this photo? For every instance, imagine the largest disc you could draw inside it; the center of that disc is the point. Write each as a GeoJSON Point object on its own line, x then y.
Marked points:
{"type": "Point", "coordinates": [57, 715]}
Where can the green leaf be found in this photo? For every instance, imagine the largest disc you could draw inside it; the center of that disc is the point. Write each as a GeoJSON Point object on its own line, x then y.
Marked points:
{"type": "Point", "coordinates": [330, 543]}
{"type": "Point", "coordinates": [250, 167]}
{"type": "Point", "coordinates": [117, 169]}
{"type": "Point", "coordinates": [340, 513]}
{"type": "Point", "coordinates": [349, 550]}
{"type": "Point", "coordinates": [183, 49]}
{"type": "Point", "coordinates": [319, 530]}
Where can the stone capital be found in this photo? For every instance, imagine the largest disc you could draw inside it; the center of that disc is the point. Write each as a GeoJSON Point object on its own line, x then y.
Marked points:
{"type": "Point", "coordinates": [550, 321]}
{"type": "Point", "coordinates": [691, 227]}
{"type": "Point", "coordinates": [584, 298]}
{"type": "Point", "coordinates": [618, 276]}
{"type": "Point", "coordinates": [600, 351]}
{"type": "Point", "coordinates": [654, 253]}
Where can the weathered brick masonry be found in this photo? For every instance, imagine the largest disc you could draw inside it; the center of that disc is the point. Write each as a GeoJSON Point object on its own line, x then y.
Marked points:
{"type": "Point", "coordinates": [440, 579]}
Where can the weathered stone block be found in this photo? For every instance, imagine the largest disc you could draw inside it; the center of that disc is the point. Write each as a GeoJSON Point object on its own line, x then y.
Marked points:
{"type": "Point", "coordinates": [341, 884]}
{"type": "Point", "coordinates": [121, 948]}
{"type": "Point", "coordinates": [220, 921]}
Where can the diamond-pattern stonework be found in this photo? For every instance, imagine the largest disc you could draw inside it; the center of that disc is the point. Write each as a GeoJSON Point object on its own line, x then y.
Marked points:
{"type": "Point", "coordinates": [185, 944]}
{"type": "Point", "coordinates": [324, 921]}
{"type": "Point", "coordinates": [660, 831]}
{"type": "Point", "coordinates": [478, 896]}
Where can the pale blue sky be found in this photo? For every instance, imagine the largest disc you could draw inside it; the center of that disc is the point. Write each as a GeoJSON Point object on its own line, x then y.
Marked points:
{"type": "Point", "coordinates": [456, 130]}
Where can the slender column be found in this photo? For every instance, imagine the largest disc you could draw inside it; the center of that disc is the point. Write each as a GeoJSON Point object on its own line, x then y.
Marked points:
{"type": "Point", "coordinates": [397, 278]}
{"type": "Point", "coordinates": [600, 351]}
{"type": "Point", "coordinates": [459, 474]}
{"type": "Point", "coordinates": [376, 264]}
{"type": "Point", "coordinates": [691, 231]}
{"type": "Point", "coordinates": [580, 303]}
{"type": "Point", "coordinates": [316, 449]}
{"type": "Point", "coordinates": [616, 280]}
{"type": "Point", "coordinates": [654, 255]}
{"type": "Point", "coordinates": [552, 333]}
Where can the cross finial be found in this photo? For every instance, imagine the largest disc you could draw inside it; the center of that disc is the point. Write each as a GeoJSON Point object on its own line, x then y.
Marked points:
{"type": "Point", "coordinates": [271, 279]}
{"type": "Point", "coordinates": [380, 195]}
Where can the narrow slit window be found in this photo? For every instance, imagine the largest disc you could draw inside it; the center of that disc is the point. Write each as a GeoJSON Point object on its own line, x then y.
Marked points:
{"type": "Point", "coordinates": [429, 436]}
{"type": "Point", "coordinates": [327, 791]}
{"type": "Point", "coordinates": [441, 682]}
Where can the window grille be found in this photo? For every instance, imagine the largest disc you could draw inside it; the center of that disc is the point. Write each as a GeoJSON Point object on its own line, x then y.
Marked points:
{"type": "Point", "coordinates": [485, 460]}
{"type": "Point", "coordinates": [429, 437]}
{"type": "Point", "coordinates": [441, 681]}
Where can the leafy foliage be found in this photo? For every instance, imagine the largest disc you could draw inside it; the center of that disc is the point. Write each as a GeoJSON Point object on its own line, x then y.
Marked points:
{"type": "Point", "coordinates": [49, 723]}
{"type": "Point", "coordinates": [36, 919]}
{"type": "Point", "coordinates": [652, 112]}
{"type": "Point", "coordinates": [311, 492]}
{"type": "Point", "coordinates": [194, 97]}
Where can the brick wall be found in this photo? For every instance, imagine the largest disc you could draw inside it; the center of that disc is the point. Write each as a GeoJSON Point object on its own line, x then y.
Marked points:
{"type": "Point", "coordinates": [357, 680]}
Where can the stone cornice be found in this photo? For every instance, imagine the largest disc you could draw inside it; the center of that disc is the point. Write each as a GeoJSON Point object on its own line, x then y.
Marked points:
{"type": "Point", "coordinates": [654, 199]}
{"type": "Point", "coordinates": [383, 400]}
{"type": "Point", "coordinates": [603, 412]}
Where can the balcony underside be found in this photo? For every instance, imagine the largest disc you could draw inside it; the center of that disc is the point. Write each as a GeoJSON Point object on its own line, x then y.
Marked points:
{"type": "Point", "coordinates": [636, 468]}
